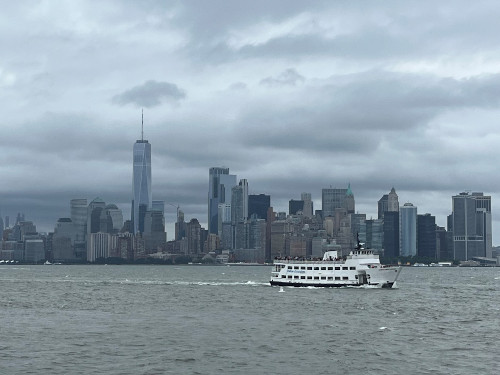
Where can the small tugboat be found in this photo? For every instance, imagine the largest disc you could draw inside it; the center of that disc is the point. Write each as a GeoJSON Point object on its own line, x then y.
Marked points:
{"type": "Point", "coordinates": [360, 267]}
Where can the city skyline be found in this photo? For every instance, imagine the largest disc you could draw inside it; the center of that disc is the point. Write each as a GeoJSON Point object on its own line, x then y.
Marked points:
{"type": "Point", "coordinates": [294, 99]}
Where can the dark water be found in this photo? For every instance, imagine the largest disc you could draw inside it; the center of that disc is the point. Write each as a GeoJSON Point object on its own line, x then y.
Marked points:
{"type": "Point", "coordinates": [209, 320]}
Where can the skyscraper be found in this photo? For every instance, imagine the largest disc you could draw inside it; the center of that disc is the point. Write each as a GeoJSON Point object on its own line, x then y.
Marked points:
{"type": "Point", "coordinates": [388, 203]}
{"type": "Point", "coordinates": [307, 210]}
{"type": "Point", "coordinates": [141, 183]}
{"type": "Point", "coordinates": [471, 225]}
{"type": "Point", "coordinates": [408, 230]}
{"type": "Point", "coordinates": [239, 202]}
{"type": "Point", "coordinates": [79, 218]}
{"type": "Point", "coordinates": [331, 199]}
{"type": "Point", "coordinates": [220, 183]}
{"type": "Point", "coordinates": [426, 236]}
{"type": "Point", "coordinates": [258, 205]}
{"type": "Point", "coordinates": [391, 234]}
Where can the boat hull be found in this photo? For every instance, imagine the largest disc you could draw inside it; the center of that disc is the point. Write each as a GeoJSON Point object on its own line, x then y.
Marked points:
{"type": "Point", "coordinates": [388, 285]}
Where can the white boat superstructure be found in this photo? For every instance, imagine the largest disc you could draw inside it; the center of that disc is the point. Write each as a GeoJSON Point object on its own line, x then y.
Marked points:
{"type": "Point", "coordinates": [360, 267]}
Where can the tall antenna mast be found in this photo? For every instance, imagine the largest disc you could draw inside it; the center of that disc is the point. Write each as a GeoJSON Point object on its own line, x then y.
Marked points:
{"type": "Point", "coordinates": [142, 126]}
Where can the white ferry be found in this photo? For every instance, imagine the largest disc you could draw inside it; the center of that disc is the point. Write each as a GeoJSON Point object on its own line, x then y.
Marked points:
{"type": "Point", "coordinates": [360, 267]}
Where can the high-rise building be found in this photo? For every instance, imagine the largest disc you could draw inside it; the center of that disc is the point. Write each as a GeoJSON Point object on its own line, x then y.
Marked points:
{"type": "Point", "coordinates": [220, 183]}
{"type": "Point", "coordinates": [349, 203]}
{"type": "Point", "coordinates": [333, 198]}
{"type": "Point", "coordinates": [94, 215]}
{"type": "Point", "coordinates": [471, 226]}
{"type": "Point", "coordinates": [258, 205]}
{"type": "Point", "coordinates": [63, 240]}
{"type": "Point", "coordinates": [154, 231]}
{"type": "Point", "coordinates": [193, 235]}
{"type": "Point", "coordinates": [388, 203]}
{"type": "Point", "coordinates": [141, 184]}
{"type": "Point", "coordinates": [111, 219]}
{"type": "Point", "coordinates": [408, 230]}
{"type": "Point", "coordinates": [295, 206]}
{"type": "Point", "coordinates": [98, 246]}
{"type": "Point", "coordinates": [239, 202]}
{"type": "Point", "coordinates": [426, 236]}
{"type": "Point", "coordinates": [79, 218]}
{"type": "Point", "coordinates": [391, 234]}
{"type": "Point", "coordinates": [308, 208]}
{"type": "Point", "coordinates": [180, 226]}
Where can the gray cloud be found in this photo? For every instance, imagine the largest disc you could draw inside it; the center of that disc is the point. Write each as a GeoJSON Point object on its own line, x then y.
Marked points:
{"type": "Point", "coordinates": [289, 77]}
{"type": "Point", "coordinates": [404, 94]}
{"type": "Point", "coordinates": [150, 94]}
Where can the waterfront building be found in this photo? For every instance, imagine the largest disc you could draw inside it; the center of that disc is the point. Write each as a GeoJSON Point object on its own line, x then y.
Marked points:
{"type": "Point", "coordinates": [78, 208]}
{"type": "Point", "coordinates": [154, 231]}
{"type": "Point", "coordinates": [220, 183]}
{"type": "Point", "coordinates": [408, 230]}
{"type": "Point", "coordinates": [98, 246]}
{"type": "Point", "coordinates": [442, 250]}
{"type": "Point", "coordinates": [258, 205]}
{"type": "Point", "coordinates": [471, 226]}
{"type": "Point", "coordinates": [426, 236]}
{"type": "Point", "coordinates": [34, 250]}
{"type": "Point", "coordinates": [391, 234]}
{"type": "Point", "coordinates": [63, 240]}
{"type": "Point", "coordinates": [180, 226]}
{"type": "Point", "coordinates": [141, 183]}
{"type": "Point", "coordinates": [193, 235]}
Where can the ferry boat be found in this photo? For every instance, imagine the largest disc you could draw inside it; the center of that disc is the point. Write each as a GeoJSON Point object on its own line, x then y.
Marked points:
{"type": "Point", "coordinates": [360, 267]}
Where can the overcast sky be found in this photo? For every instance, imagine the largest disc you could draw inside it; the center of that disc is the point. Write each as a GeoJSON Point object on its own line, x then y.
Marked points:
{"type": "Point", "coordinates": [294, 96]}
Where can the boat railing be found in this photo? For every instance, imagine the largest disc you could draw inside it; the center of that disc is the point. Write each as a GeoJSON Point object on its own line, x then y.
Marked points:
{"type": "Point", "coordinates": [309, 261]}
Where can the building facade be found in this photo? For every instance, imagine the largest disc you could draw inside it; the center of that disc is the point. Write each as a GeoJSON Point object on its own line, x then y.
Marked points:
{"type": "Point", "coordinates": [220, 183]}
{"type": "Point", "coordinates": [141, 183]}
{"type": "Point", "coordinates": [408, 230]}
{"type": "Point", "coordinates": [471, 226]}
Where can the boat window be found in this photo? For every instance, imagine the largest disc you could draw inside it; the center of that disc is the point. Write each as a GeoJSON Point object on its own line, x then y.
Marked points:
{"type": "Point", "coordinates": [302, 277]}
{"type": "Point", "coordinates": [316, 268]}
{"type": "Point", "coordinates": [296, 267]}
{"type": "Point", "coordinates": [345, 268]}
{"type": "Point", "coordinates": [323, 268]}
{"type": "Point", "coordinates": [309, 268]}
{"type": "Point", "coordinates": [330, 278]}
{"type": "Point", "coordinates": [295, 277]}
{"type": "Point", "coordinates": [330, 268]}
{"type": "Point", "coordinates": [337, 268]}
{"type": "Point", "coordinates": [323, 277]}
{"type": "Point", "coordinates": [309, 277]}
{"type": "Point", "coordinates": [283, 276]}
{"type": "Point", "coordinates": [316, 277]}
{"type": "Point", "coordinates": [289, 276]}
{"type": "Point", "coordinates": [337, 277]}
{"type": "Point", "coordinates": [345, 278]}
{"type": "Point", "coordinates": [352, 268]}
{"type": "Point", "coordinates": [302, 268]}
{"type": "Point", "coordinates": [289, 267]}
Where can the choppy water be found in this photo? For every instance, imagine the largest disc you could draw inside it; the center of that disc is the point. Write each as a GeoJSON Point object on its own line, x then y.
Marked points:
{"type": "Point", "coordinates": [210, 320]}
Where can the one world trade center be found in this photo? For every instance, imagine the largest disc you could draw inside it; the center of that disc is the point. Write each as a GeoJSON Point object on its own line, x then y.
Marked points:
{"type": "Point", "coordinates": [141, 184]}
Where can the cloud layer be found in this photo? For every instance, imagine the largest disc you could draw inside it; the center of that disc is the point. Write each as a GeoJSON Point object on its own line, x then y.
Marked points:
{"type": "Point", "coordinates": [292, 96]}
